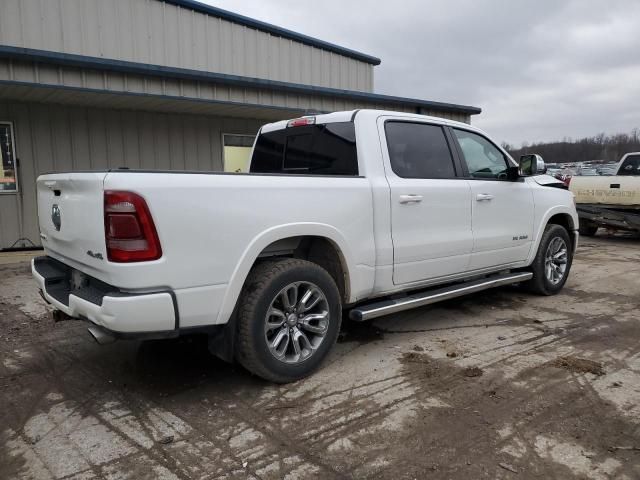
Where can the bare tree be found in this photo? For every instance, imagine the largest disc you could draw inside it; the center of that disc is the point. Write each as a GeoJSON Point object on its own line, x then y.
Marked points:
{"type": "Point", "coordinates": [608, 148]}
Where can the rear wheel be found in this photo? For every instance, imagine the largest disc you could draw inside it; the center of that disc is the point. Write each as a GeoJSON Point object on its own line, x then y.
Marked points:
{"type": "Point", "coordinates": [553, 261]}
{"type": "Point", "coordinates": [288, 319]}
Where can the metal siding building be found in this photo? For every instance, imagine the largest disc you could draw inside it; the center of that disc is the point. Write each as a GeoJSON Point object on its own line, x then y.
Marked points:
{"type": "Point", "coordinates": [94, 84]}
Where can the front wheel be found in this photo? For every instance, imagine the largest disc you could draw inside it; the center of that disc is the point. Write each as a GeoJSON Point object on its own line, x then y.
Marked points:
{"type": "Point", "coordinates": [553, 261]}
{"type": "Point", "coordinates": [288, 319]}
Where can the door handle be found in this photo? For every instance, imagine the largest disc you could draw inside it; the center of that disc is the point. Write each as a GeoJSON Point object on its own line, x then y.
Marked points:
{"type": "Point", "coordinates": [410, 198]}
{"type": "Point", "coordinates": [484, 197]}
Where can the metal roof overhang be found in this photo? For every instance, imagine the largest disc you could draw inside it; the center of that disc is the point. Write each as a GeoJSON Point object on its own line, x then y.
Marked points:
{"type": "Point", "coordinates": [134, 101]}
{"type": "Point", "coordinates": [80, 61]}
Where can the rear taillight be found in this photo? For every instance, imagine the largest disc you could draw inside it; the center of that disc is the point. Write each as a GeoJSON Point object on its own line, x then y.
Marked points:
{"type": "Point", "coordinates": [128, 227]}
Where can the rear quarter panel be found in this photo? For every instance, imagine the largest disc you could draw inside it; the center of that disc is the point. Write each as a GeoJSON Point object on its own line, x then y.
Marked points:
{"type": "Point", "coordinates": [212, 227]}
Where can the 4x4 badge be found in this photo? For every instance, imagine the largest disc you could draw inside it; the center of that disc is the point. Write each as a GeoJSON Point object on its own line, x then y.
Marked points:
{"type": "Point", "coordinates": [56, 217]}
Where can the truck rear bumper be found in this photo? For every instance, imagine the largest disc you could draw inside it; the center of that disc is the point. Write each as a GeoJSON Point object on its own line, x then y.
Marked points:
{"type": "Point", "coordinates": [121, 313]}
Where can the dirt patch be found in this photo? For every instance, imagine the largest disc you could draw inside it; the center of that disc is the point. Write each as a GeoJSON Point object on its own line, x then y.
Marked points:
{"type": "Point", "coordinates": [372, 412]}
{"type": "Point", "coordinates": [472, 372]}
{"type": "Point", "coordinates": [497, 423]}
{"type": "Point", "coordinates": [17, 269]}
{"type": "Point", "coordinates": [17, 328]}
{"type": "Point", "coordinates": [421, 364]}
{"type": "Point", "coordinates": [578, 365]}
{"type": "Point", "coordinates": [415, 357]}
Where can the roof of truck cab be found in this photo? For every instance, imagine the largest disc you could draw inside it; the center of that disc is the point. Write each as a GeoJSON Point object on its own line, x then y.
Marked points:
{"type": "Point", "coordinates": [350, 115]}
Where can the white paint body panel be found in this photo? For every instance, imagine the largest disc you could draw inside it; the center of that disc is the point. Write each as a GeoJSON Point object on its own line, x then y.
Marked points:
{"type": "Point", "coordinates": [502, 226]}
{"type": "Point", "coordinates": [136, 314]}
{"type": "Point", "coordinates": [442, 217]}
{"type": "Point", "coordinates": [212, 227]}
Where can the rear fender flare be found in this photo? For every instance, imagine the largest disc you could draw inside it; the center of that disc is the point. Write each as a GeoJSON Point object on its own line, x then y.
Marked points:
{"type": "Point", "coordinates": [266, 238]}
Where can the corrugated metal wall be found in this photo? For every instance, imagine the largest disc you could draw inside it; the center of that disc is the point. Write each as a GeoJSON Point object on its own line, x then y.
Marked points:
{"type": "Point", "coordinates": [155, 32]}
{"type": "Point", "coordinates": [70, 83]}
{"type": "Point", "coordinates": [108, 81]}
{"type": "Point", "coordinates": [61, 138]}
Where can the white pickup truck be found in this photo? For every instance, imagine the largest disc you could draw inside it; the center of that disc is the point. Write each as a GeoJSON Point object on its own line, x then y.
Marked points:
{"type": "Point", "coordinates": [367, 211]}
{"type": "Point", "coordinates": [612, 202]}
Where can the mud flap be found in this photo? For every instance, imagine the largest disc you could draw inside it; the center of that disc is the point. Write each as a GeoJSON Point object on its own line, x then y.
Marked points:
{"type": "Point", "coordinates": [222, 341]}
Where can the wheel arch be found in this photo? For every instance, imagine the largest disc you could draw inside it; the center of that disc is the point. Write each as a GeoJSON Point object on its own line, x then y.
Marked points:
{"type": "Point", "coordinates": [563, 219]}
{"type": "Point", "coordinates": [319, 243]}
{"type": "Point", "coordinates": [562, 216]}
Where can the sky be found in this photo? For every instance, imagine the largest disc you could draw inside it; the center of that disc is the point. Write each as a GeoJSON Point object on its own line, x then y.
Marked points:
{"type": "Point", "coordinates": [541, 70]}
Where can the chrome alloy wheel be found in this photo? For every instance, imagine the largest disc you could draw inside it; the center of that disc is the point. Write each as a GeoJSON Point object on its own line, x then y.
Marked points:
{"type": "Point", "coordinates": [297, 322]}
{"type": "Point", "coordinates": [555, 260]}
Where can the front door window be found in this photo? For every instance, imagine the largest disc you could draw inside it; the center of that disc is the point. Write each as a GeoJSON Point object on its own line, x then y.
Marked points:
{"type": "Point", "coordinates": [483, 159]}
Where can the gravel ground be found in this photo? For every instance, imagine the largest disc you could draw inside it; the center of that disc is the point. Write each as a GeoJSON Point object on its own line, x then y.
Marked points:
{"type": "Point", "coordinates": [501, 384]}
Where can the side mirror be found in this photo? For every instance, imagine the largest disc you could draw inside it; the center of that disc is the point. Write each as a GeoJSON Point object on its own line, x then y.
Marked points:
{"type": "Point", "coordinates": [531, 165]}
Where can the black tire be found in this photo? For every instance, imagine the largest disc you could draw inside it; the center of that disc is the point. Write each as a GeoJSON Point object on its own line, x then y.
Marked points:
{"type": "Point", "coordinates": [587, 229]}
{"type": "Point", "coordinates": [540, 283]}
{"type": "Point", "coordinates": [263, 287]}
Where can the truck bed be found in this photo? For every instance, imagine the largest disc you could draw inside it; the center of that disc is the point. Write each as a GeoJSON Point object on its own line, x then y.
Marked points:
{"type": "Point", "coordinates": [620, 190]}
{"type": "Point", "coordinates": [210, 226]}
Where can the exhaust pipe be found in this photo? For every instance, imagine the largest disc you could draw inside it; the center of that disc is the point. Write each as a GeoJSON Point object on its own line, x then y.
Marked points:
{"type": "Point", "coordinates": [100, 336]}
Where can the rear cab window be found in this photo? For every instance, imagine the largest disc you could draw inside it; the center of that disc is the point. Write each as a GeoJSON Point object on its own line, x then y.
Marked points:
{"type": "Point", "coordinates": [322, 149]}
{"type": "Point", "coordinates": [630, 166]}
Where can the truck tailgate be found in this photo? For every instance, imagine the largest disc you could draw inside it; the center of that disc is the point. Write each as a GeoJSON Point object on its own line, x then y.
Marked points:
{"type": "Point", "coordinates": [70, 212]}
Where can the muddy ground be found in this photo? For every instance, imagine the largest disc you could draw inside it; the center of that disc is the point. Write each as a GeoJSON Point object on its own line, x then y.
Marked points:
{"type": "Point", "coordinates": [498, 385]}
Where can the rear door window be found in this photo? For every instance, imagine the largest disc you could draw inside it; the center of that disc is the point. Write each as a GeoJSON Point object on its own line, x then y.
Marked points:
{"type": "Point", "coordinates": [419, 150]}
{"type": "Point", "coordinates": [328, 149]}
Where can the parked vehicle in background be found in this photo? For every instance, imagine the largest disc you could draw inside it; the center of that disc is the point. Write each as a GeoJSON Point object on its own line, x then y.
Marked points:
{"type": "Point", "coordinates": [368, 211]}
{"type": "Point", "coordinates": [607, 169]}
{"type": "Point", "coordinates": [587, 171]}
{"type": "Point", "coordinates": [610, 201]}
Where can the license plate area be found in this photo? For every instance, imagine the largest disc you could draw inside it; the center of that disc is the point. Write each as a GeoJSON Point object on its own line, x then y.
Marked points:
{"type": "Point", "coordinates": [60, 281]}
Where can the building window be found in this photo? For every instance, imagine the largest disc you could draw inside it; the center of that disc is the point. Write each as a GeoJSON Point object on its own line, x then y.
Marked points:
{"type": "Point", "coordinates": [237, 152]}
{"type": "Point", "coordinates": [8, 166]}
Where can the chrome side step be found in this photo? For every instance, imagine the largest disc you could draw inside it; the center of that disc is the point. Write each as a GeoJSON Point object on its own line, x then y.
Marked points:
{"type": "Point", "coordinates": [420, 299]}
